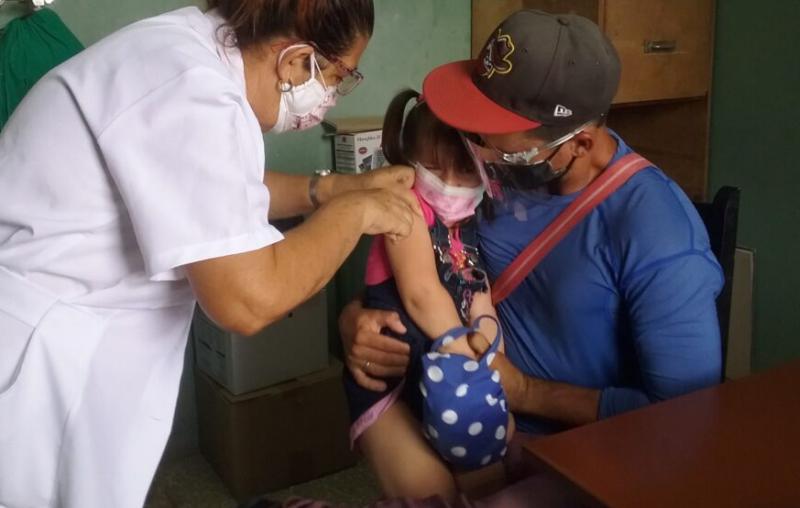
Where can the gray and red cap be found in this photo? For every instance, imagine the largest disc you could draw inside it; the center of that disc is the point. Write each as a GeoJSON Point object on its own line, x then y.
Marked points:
{"type": "Point", "coordinates": [535, 69]}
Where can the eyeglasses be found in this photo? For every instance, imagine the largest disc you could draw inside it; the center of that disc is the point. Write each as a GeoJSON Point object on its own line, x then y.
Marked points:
{"type": "Point", "coordinates": [350, 77]}
{"type": "Point", "coordinates": [525, 157]}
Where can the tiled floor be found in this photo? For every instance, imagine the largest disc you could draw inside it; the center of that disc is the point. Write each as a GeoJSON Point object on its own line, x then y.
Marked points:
{"type": "Point", "coordinates": [190, 482]}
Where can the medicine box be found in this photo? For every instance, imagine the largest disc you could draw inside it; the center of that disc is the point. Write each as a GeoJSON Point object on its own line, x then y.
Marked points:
{"type": "Point", "coordinates": [357, 144]}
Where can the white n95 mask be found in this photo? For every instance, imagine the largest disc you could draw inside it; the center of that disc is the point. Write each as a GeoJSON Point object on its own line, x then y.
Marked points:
{"type": "Point", "coordinates": [304, 106]}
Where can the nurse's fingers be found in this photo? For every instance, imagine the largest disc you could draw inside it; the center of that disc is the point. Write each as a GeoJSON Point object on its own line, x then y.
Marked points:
{"type": "Point", "coordinates": [389, 212]}
{"type": "Point", "coordinates": [400, 209]}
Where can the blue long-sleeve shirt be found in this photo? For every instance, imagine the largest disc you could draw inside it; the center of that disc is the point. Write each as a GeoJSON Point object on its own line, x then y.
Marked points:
{"type": "Point", "coordinates": [624, 304]}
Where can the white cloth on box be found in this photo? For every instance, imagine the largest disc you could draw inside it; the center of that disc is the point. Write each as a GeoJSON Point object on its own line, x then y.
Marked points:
{"type": "Point", "coordinates": [122, 165]}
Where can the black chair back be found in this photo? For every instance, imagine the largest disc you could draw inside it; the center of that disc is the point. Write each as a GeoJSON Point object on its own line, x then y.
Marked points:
{"type": "Point", "coordinates": [721, 218]}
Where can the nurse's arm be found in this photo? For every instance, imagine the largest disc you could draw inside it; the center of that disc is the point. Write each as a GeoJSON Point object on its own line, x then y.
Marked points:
{"type": "Point", "coordinates": [248, 291]}
{"type": "Point", "coordinates": [289, 194]}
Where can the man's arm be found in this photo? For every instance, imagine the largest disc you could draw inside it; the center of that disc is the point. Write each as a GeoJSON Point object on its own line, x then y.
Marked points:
{"type": "Point", "coordinates": [676, 334]}
{"type": "Point", "coordinates": [673, 316]}
{"type": "Point", "coordinates": [562, 402]}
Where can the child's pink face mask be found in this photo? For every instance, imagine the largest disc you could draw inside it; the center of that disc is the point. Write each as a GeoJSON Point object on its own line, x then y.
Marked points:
{"type": "Point", "coordinates": [450, 203]}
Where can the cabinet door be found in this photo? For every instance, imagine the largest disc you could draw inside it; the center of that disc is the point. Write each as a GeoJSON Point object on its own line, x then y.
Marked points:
{"type": "Point", "coordinates": [664, 45]}
{"type": "Point", "coordinates": [487, 14]}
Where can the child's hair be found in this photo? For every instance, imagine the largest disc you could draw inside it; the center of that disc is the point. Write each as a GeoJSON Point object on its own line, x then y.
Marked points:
{"type": "Point", "coordinates": [405, 135]}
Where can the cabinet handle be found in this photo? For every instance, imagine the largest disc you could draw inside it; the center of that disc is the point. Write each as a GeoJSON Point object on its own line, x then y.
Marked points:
{"type": "Point", "coordinates": [660, 46]}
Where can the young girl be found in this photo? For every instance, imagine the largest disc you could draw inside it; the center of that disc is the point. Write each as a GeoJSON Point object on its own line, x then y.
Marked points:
{"type": "Point", "coordinates": [434, 280]}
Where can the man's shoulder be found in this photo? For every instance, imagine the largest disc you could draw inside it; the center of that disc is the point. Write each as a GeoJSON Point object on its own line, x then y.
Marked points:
{"type": "Point", "coordinates": [652, 216]}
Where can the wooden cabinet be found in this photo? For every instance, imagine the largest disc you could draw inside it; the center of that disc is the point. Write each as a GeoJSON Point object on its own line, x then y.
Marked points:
{"type": "Point", "coordinates": [665, 46]}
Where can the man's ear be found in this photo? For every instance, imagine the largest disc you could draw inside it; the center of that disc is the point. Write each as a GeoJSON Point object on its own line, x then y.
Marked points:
{"type": "Point", "coordinates": [583, 144]}
{"type": "Point", "coordinates": [293, 66]}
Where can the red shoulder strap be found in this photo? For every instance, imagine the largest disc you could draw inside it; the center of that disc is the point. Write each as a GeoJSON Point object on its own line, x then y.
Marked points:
{"type": "Point", "coordinates": [603, 186]}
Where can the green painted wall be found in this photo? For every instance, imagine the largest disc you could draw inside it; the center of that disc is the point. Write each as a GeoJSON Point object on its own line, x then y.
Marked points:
{"type": "Point", "coordinates": [754, 142]}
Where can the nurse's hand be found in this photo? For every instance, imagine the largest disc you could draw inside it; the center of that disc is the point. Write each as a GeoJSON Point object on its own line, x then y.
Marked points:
{"type": "Point", "coordinates": [369, 354]}
{"type": "Point", "coordinates": [388, 178]}
{"type": "Point", "coordinates": [387, 212]}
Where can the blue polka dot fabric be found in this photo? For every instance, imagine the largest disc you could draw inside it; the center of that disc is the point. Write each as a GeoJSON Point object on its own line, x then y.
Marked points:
{"type": "Point", "coordinates": [465, 416]}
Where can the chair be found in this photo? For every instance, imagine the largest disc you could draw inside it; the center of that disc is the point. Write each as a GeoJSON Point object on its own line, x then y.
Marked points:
{"type": "Point", "coordinates": [721, 217]}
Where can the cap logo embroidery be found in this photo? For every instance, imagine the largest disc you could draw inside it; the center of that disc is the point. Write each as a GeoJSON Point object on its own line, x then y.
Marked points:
{"type": "Point", "coordinates": [562, 111]}
{"type": "Point", "coordinates": [494, 58]}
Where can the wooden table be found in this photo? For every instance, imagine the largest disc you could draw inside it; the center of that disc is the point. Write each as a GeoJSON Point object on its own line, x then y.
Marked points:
{"type": "Point", "coordinates": [733, 445]}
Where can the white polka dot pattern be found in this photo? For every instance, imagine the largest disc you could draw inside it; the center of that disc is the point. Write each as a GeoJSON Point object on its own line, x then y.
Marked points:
{"type": "Point", "coordinates": [463, 421]}
{"type": "Point", "coordinates": [435, 374]}
{"type": "Point", "coordinates": [449, 417]}
{"type": "Point", "coordinates": [458, 451]}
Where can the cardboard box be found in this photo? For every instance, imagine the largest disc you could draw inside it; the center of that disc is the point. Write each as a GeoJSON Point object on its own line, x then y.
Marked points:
{"type": "Point", "coordinates": [357, 144]}
{"type": "Point", "coordinates": [276, 437]}
{"type": "Point", "coordinates": [286, 349]}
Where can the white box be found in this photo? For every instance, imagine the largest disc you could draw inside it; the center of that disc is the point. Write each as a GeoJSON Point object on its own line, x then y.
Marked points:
{"type": "Point", "coordinates": [289, 348]}
{"type": "Point", "coordinates": [357, 144]}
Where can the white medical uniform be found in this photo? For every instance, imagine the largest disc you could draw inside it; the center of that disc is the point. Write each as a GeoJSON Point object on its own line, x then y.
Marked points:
{"type": "Point", "coordinates": [122, 165]}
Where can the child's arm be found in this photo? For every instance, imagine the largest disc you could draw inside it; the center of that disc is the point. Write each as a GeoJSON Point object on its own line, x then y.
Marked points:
{"type": "Point", "coordinates": [414, 269]}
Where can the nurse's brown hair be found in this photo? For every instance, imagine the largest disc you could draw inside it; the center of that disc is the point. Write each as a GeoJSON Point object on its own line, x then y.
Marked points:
{"type": "Point", "coordinates": [332, 25]}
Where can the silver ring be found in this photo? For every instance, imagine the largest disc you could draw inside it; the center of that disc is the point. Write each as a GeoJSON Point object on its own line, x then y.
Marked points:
{"type": "Point", "coordinates": [367, 364]}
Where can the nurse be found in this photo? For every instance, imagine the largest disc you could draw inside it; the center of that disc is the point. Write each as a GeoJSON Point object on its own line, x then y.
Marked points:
{"type": "Point", "coordinates": [132, 185]}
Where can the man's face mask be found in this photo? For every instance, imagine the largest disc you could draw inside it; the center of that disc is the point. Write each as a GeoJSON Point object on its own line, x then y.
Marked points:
{"type": "Point", "coordinates": [516, 171]}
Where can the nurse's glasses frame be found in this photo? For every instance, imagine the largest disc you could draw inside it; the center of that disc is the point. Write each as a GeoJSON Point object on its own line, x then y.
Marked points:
{"type": "Point", "coordinates": [350, 77]}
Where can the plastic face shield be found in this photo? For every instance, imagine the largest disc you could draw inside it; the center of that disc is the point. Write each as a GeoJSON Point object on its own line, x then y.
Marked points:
{"type": "Point", "coordinates": [516, 171]}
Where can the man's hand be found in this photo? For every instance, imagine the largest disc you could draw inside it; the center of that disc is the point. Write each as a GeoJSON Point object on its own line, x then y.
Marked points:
{"type": "Point", "coordinates": [368, 354]}
{"type": "Point", "coordinates": [515, 383]}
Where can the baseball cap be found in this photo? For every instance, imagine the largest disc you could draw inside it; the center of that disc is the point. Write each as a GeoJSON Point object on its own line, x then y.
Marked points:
{"type": "Point", "coordinates": [535, 69]}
